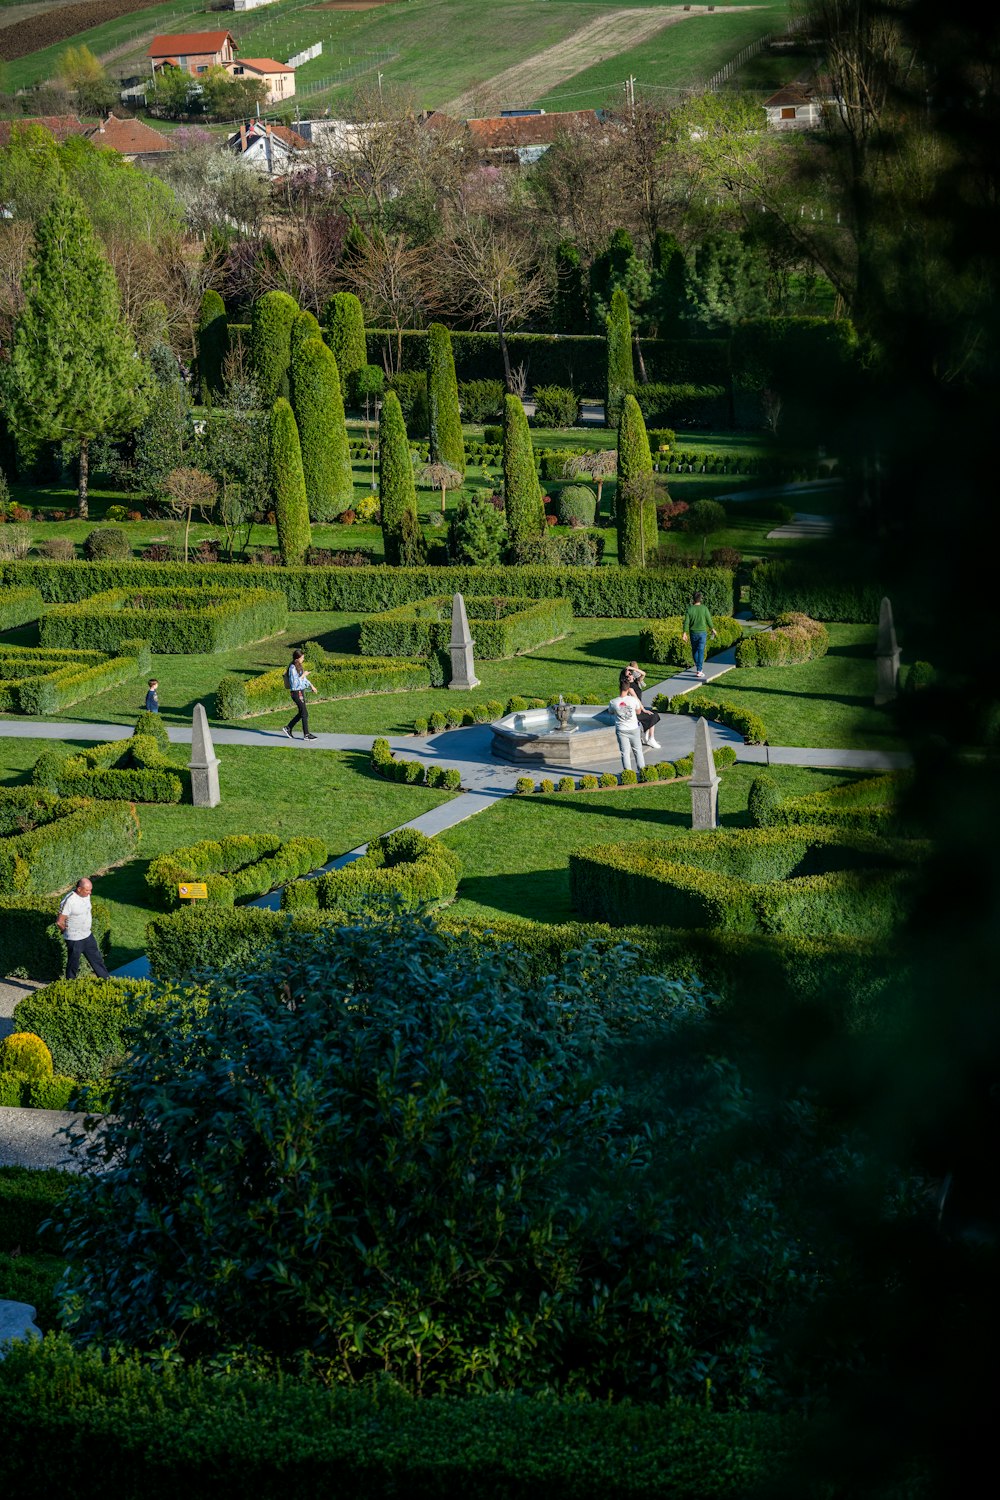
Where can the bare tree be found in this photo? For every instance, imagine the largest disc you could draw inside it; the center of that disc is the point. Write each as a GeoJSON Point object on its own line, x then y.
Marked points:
{"type": "Point", "coordinates": [186, 491]}
{"type": "Point", "coordinates": [490, 274]}
{"type": "Point", "coordinates": [389, 278]}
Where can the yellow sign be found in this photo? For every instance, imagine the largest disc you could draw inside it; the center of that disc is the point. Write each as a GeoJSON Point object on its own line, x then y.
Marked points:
{"type": "Point", "coordinates": [193, 892]}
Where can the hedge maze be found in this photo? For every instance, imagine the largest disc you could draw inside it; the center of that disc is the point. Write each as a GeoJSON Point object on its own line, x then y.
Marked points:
{"type": "Point", "coordinates": [175, 621]}
{"type": "Point", "coordinates": [45, 680]}
{"type": "Point", "coordinates": [502, 626]}
{"type": "Point", "coordinates": [332, 676]}
{"type": "Point", "coordinates": [235, 867]}
{"type": "Point", "coordinates": [47, 840]}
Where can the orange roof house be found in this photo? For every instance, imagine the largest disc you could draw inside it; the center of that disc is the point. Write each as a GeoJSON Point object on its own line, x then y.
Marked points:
{"type": "Point", "coordinates": [58, 126]}
{"type": "Point", "coordinates": [131, 138]}
{"type": "Point", "coordinates": [278, 76]}
{"type": "Point", "coordinates": [192, 51]}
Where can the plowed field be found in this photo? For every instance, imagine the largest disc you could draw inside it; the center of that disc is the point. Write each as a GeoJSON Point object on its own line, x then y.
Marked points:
{"type": "Point", "coordinates": [61, 23]}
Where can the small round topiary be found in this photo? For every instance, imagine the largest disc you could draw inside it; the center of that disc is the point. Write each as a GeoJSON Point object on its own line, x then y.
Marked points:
{"type": "Point", "coordinates": [629, 778]}
{"type": "Point", "coordinates": [23, 1052]}
{"type": "Point", "coordinates": [566, 784]}
{"type": "Point", "coordinates": [577, 505]}
{"type": "Point", "coordinates": [107, 542]}
{"type": "Point", "coordinates": [608, 778]}
{"type": "Point", "coordinates": [547, 786]}
{"type": "Point", "coordinates": [763, 801]}
{"type": "Point", "coordinates": [524, 785]}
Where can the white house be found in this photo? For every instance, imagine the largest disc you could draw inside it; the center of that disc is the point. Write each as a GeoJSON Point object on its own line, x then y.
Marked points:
{"type": "Point", "coordinates": [799, 106]}
{"type": "Point", "coordinates": [274, 150]}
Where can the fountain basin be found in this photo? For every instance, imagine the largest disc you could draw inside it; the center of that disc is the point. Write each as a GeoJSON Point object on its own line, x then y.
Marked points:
{"type": "Point", "coordinates": [535, 737]}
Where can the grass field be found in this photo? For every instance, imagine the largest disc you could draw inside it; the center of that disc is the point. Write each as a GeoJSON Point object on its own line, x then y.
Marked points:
{"type": "Point", "coordinates": [440, 49]}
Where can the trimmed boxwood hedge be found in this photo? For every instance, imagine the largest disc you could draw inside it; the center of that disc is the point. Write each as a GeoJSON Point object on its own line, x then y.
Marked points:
{"type": "Point", "coordinates": [91, 1427]}
{"type": "Point", "coordinates": [234, 867]}
{"type": "Point", "coordinates": [82, 1020]}
{"type": "Point", "coordinates": [43, 680]}
{"type": "Point", "coordinates": [777, 587]}
{"type": "Point", "coordinates": [660, 640]}
{"type": "Point", "coordinates": [175, 620]}
{"type": "Point", "coordinates": [30, 941]}
{"type": "Point", "coordinates": [750, 725]}
{"type": "Point", "coordinates": [405, 864]}
{"type": "Point", "coordinates": [135, 768]}
{"type": "Point", "coordinates": [865, 805]}
{"type": "Point", "coordinates": [804, 881]}
{"type": "Point", "coordinates": [19, 607]}
{"type": "Point", "coordinates": [416, 772]}
{"type": "Point", "coordinates": [422, 627]}
{"type": "Point", "coordinates": [611, 593]}
{"type": "Point", "coordinates": [331, 676]}
{"type": "Point", "coordinates": [795, 638]}
{"type": "Point", "coordinates": [27, 1197]}
{"type": "Point", "coordinates": [70, 837]}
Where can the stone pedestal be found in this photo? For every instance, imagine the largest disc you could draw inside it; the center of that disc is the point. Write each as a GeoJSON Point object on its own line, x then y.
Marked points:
{"type": "Point", "coordinates": [463, 668]}
{"type": "Point", "coordinates": [704, 781]}
{"type": "Point", "coordinates": [204, 762]}
{"type": "Point", "coordinates": [886, 657]}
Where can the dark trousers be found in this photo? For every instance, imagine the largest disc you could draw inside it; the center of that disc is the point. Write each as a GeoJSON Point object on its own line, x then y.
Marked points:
{"type": "Point", "coordinates": [87, 948]}
{"type": "Point", "coordinates": [299, 699]}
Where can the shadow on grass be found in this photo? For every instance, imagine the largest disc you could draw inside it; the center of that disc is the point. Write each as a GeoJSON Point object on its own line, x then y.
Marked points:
{"type": "Point", "coordinates": [612, 648]}
{"type": "Point", "coordinates": [631, 810]}
{"type": "Point", "coordinates": [521, 895]}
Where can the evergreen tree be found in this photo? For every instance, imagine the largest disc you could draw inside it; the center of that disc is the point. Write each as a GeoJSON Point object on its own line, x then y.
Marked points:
{"type": "Point", "coordinates": [212, 339]}
{"type": "Point", "coordinates": [447, 446]}
{"type": "Point", "coordinates": [163, 437]}
{"type": "Point", "coordinates": [288, 485]}
{"type": "Point", "coordinates": [521, 490]}
{"type": "Point", "coordinates": [305, 327]}
{"type": "Point", "coordinates": [73, 373]}
{"type": "Point", "coordinates": [151, 325]}
{"type": "Point", "coordinates": [397, 490]}
{"type": "Point", "coordinates": [607, 271]}
{"type": "Point", "coordinates": [570, 310]}
{"type": "Point", "coordinates": [620, 380]}
{"type": "Point", "coordinates": [669, 288]}
{"type": "Point", "coordinates": [319, 416]}
{"type": "Point", "coordinates": [635, 508]}
{"type": "Point", "coordinates": [728, 282]}
{"type": "Point", "coordinates": [270, 342]}
{"type": "Point", "coordinates": [345, 333]}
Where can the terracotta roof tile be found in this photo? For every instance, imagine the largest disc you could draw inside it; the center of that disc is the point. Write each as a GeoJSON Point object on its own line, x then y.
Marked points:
{"type": "Point", "coordinates": [265, 64]}
{"type": "Point", "coordinates": [188, 42]}
{"type": "Point", "coordinates": [130, 137]}
{"type": "Point", "coordinates": [511, 131]}
{"type": "Point", "coordinates": [58, 126]}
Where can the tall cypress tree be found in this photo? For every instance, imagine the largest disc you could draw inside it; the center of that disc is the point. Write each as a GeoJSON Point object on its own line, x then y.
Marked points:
{"type": "Point", "coordinates": [635, 511]}
{"type": "Point", "coordinates": [397, 490]}
{"type": "Point", "coordinates": [319, 416]}
{"type": "Point", "coordinates": [620, 380]}
{"type": "Point", "coordinates": [271, 342]}
{"type": "Point", "coordinates": [669, 285]}
{"type": "Point", "coordinates": [522, 494]}
{"type": "Point", "coordinates": [73, 374]}
{"type": "Point", "coordinates": [213, 345]}
{"type": "Point", "coordinates": [291, 511]}
{"type": "Point", "coordinates": [447, 445]}
{"type": "Point", "coordinates": [306, 326]}
{"type": "Point", "coordinates": [344, 322]}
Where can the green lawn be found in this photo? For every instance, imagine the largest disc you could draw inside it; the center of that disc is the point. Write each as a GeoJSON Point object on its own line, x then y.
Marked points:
{"type": "Point", "coordinates": [515, 857]}
{"type": "Point", "coordinates": [285, 791]}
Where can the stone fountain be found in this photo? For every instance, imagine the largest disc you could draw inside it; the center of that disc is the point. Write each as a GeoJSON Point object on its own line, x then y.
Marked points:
{"type": "Point", "coordinates": [565, 735]}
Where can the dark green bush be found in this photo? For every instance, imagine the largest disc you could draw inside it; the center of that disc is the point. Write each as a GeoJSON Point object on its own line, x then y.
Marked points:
{"type": "Point", "coordinates": [690, 406]}
{"type": "Point", "coordinates": [288, 485]}
{"type": "Point", "coordinates": [397, 491]}
{"type": "Point", "coordinates": [406, 865]}
{"type": "Point", "coordinates": [27, 1197]}
{"type": "Point", "coordinates": [762, 801]}
{"type": "Point", "coordinates": [446, 442]}
{"type": "Point", "coordinates": [30, 941]}
{"type": "Point", "coordinates": [270, 343]}
{"type": "Point", "coordinates": [555, 406]}
{"type": "Point", "coordinates": [482, 401]}
{"type": "Point", "coordinates": [635, 510]}
{"type": "Point", "coordinates": [502, 626]}
{"type": "Point", "coordinates": [212, 342]}
{"type": "Point", "coordinates": [64, 836]}
{"type": "Point", "coordinates": [660, 640]}
{"type": "Point", "coordinates": [135, 768]}
{"type": "Point", "coordinates": [344, 322]}
{"type": "Point", "coordinates": [105, 543]}
{"type": "Point", "coordinates": [619, 380]}
{"type": "Point", "coordinates": [577, 505]}
{"type": "Point", "coordinates": [83, 1021]}
{"type": "Point", "coordinates": [234, 868]}
{"type": "Point", "coordinates": [522, 494]}
{"type": "Point", "coordinates": [823, 595]}
{"type": "Point", "coordinates": [743, 720]}
{"type": "Point", "coordinates": [318, 405]}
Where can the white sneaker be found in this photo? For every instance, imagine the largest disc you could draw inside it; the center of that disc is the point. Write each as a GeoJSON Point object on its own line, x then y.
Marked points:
{"type": "Point", "coordinates": [701, 676]}
{"type": "Point", "coordinates": [653, 744]}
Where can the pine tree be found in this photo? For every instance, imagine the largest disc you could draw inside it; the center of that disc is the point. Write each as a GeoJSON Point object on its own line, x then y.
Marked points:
{"type": "Point", "coordinates": [521, 490]}
{"type": "Point", "coordinates": [447, 445]}
{"type": "Point", "coordinates": [288, 485]}
{"type": "Point", "coordinates": [344, 322]}
{"type": "Point", "coordinates": [397, 491]}
{"type": "Point", "coordinates": [570, 310]}
{"type": "Point", "coordinates": [620, 379]}
{"type": "Point", "coordinates": [669, 285]}
{"type": "Point", "coordinates": [73, 374]}
{"type": "Point", "coordinates": [270, 342]}
{"type": "Point", "coordinates": [213, 345]}
{"type": "Point", "coordinates": [635, 509]}
{"type": "Point", "coordinates": [608, 270]}
{"type": "Point", "coordinates": [319, 416]}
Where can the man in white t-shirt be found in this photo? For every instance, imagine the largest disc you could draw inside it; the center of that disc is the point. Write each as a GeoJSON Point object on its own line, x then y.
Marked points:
{"type": "Point", "coordinates": [624, 711]}
{"type": "Point", "coordinates": [76, 922]}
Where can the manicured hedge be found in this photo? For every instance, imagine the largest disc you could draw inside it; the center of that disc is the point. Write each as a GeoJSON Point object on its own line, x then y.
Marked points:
{"type": "Point", "coordinates": [77, 1423]}
{"type": "Point", "coordinates": [71, 837]}
{"type": "Point", "coordinates": [422, 627]}
{"type": "Point", "coordinates": [44, 680]}
{"type": "Point", "coordinates": [613, 593]}
{"type": "Point", "coordinates": [405, 864]}
{"type": "Point", "coordinates": [82, 1021]}
{"type": "Point", "coordinates": [18, 607]}
{"type": "Point", "coordinates": [804, 881]}
{"type": "Point", "coordinates": [333, 677]}
{"type": "Point", "coordinates": [750, 725]}
{"type": "Point", "coordinates": [174, 620]}
{"type": "Point", "coordinates": [869, 804]}
{"type": "Point", "coordinates": [135, 768]}
{"type": "Point", "coordinates": [179, 943]}
{"type": "Point", "coordinates": [795, 638]}
{"type": "Point", "coordinates": [660, 640]}
{"type": "Point", "coordinates": [30, 941]}
{"type": "Point", "coordinates": [27, 1197]}
{"type": "Point", "coordinates": [778, 587]}
{"type": "Point", "coordinates": [235, 867]}
{"type": "Point", "coordinates": [417, 772]}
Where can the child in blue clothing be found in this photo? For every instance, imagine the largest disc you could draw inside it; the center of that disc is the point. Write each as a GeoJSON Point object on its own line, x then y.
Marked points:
{"type": "Point", "coordinates": [152, 698]}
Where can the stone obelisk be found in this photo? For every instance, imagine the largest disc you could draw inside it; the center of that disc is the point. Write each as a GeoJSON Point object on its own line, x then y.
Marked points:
{"type": "Point", "coordinates": [886, 657]}
{"type": "Point", "coordinates": [463, 668]}
{"type": "Point", "coordinates": [704, 781]}
{"type": "Point", "coordinates": [204, 762]}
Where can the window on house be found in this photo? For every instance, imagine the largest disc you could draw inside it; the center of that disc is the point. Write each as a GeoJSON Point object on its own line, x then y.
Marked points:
{"type": "Point", "coordinates": [788, 112]}
{"type": "Point", "coordinates": [202, 68]}
{"type": "Point", "coordinates": [238, 72]}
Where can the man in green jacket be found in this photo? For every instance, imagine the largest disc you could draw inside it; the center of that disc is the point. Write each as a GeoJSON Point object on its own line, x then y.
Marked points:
{"type": "Point", "coordinates": [697, 623]}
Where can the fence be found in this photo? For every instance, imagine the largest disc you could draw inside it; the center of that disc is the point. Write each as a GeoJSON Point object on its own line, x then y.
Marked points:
{"type": "Point", "coordinates": [751, 50]}
{"type": "Point", "coordinates": [366, 64]}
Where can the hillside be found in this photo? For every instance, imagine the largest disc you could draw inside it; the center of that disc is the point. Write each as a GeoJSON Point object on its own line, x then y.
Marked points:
{"type": "Point", "coordinates": [461, 53]}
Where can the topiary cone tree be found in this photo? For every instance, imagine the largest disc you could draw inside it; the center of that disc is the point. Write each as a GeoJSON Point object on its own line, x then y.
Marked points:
{"type": "Point", "coordinates": [288, 485]}
{"type": "Point", "coordinates": [319, 415]}
{"type": "Point", "coordinates": [344, 322]}
{"type": "Point", "coordinates": [521, 491]}
{"type": "Point", "coordinates": [635, 509]}
{"type": "Point", "coordinates": [619, 381]}
{"type": "Point", "coordinates": [447, 444]}
{"type": "Point", "coordinates": [213, 345]}
{"type": "Point", "coordinates": [397, 491]}
{"type": "Point", "coordinates": [305, 327]}
{"type": "Point", "coordinates": [270, 342]}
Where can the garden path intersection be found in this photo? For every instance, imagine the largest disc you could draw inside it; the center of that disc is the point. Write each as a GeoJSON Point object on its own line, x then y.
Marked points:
{"type": "Point", "coordinates": [30, 1137]}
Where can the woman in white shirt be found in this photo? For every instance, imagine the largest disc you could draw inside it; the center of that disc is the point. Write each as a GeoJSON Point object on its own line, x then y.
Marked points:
{"type": "Point", "coordinates": [624, 712]}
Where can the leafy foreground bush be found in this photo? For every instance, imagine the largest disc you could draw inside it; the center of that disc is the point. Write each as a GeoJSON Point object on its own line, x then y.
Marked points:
{"type": "Point", "coordinates": [388, 1154]}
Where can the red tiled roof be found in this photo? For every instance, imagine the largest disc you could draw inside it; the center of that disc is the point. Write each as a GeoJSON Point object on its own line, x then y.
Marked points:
{"type": "Point", "coordinates": [265, 65]}
{"type": "Point", "coordinates": [188, 42]}
{"type": "Point", "coordinates": [290, 137]}
{"type": "Point", "coordinates": [282, 133]}
{"type": "Point", "coordinates": [130, 137]}
{"type": "Point", "coordinates": [526, 130]}
{"type": "Point", "coordinates": [792, 93]}
{"type": "Point", "coordinates": [58, 126]}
